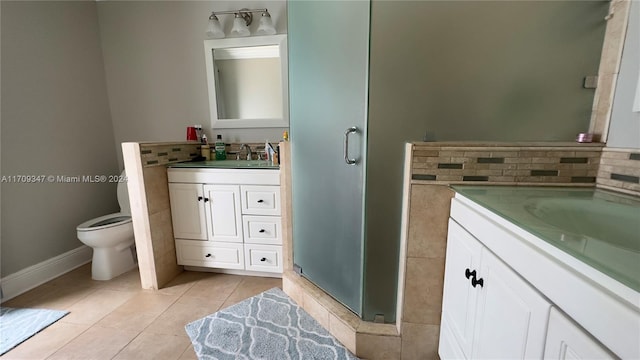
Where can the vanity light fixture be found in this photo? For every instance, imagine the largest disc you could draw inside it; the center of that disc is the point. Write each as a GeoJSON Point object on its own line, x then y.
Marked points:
{"type": "Point", "coordinates": [243, 18]}
{"type": "Point", "coordinates": [214, 29]}
{"type": "Point", "coordinates": [266, 25]}
{"type": "Point", "coordinates": [240, 26]}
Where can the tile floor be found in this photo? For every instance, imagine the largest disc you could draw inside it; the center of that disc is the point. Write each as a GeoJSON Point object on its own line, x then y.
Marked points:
{"type": "Point", "coordinates": [116, 319]}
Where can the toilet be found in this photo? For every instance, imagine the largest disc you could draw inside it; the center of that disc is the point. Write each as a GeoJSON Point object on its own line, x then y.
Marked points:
{"type": "Point", "coordinates": [111, 237]}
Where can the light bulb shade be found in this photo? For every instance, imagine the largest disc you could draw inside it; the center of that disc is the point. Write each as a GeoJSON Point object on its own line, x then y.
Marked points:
{"type": "Point", "coordinates": [214, 29]}
{"type": "Point", "coordinates": [266, 25]}
{"type": "Point", "coordinates": [240, 27]}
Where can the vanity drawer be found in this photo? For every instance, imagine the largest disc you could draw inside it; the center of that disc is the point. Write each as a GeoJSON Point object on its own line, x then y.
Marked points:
{"type": "Point", "coordinates": [266, 258]}
{"type": "Point", "coordinates": [210, 254]}
{"type": "Point", "coordinates": [260, 200]}
{"type": "Point", "coordinates": [262, 229]}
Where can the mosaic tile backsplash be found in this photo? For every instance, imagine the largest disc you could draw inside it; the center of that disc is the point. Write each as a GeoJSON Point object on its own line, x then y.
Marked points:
{"type": "Point", "coordinates": [154, 154]}
{"type": "Point", "coordinates": [538, 163]}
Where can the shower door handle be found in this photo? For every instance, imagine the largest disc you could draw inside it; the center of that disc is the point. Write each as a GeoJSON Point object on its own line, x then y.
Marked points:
{"type": "Point", "coordinates": [348, 132]}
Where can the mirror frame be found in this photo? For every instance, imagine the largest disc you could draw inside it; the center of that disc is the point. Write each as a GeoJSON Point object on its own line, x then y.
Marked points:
{"type": "Point", "coordinates": [210, 45]}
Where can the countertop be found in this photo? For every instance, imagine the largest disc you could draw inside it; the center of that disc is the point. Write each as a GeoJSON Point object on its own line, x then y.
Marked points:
{"type": "Point", "coordinates": [227, 164]}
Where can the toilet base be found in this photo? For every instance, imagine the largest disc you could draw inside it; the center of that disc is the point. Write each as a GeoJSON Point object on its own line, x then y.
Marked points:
{"type": "Point", "coordinates": [108, 263]}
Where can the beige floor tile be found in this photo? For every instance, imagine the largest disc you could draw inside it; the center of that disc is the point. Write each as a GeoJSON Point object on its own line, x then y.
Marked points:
{"type": "Point", "coordinates": [51, 297]}
{"type": "Point", "coordinates": [182, 283]}
{"type": "Point", "coordinates": [96, 343]}
{"type": "Point", "coordinates": [80, 276]}
{"type": "Point", "coordinates": [251, 286]}
{"type": "Point", "coordinates": [215, 286]}
{"type": "Point", "coordinates": [419, 341]}
{"type": "Point", "coordinates": [46, 342]}
{"type": "Point", "coordinates": [189, 354]}
{"type": "Point", "coordinates": [154, 346]}
{"type": "Point", "coordinates": [96, 306]}
{"type": "Point", "coordinates": [184, 311]}
{"type": "Point", "coordinates": [129, 281]}
{"type": "Point", "coordinates": [138, 312]}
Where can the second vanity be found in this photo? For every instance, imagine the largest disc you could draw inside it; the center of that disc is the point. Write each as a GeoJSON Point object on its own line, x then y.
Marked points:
{"type": "Point", "coordinates": [227, 215]}
{"type": "Point", "coordinates": [530, 274]}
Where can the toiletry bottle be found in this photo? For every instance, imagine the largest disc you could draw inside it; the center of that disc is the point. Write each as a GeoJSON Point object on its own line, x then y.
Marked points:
{"type": "Point", "coordinates": [221, 153]}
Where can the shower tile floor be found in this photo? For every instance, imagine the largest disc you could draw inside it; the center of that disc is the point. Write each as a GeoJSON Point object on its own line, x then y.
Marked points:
{"type": "Point", "coordinates": [117, 319]}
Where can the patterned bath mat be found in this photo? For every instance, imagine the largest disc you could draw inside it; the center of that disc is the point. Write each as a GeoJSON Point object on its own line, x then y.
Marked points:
{"type": "Point", "coordinates": [268, 326]}
{"type": "Point", "coordinates": [17, 325]}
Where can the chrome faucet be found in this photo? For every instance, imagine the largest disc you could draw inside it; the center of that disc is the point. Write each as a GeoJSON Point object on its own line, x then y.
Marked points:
{"type": "Point", "coordinates": [249, 152]}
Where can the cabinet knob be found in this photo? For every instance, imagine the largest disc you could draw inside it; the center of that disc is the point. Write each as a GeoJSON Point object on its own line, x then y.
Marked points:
{"type": "Point", "coordinates": [261, 230]}
{"type": "Point", "coordinates": [208, 255]}
{"type": "Point", "coordinates": [475, 282]}
{"type": "Point", "coordinates": [199, 198]}
{"type": "Point", "coordinates": [263, 259]}
{"type": "Point", "coordinates": [206, 199]}
{"type": "Point", "coordinates": [468, 273]}
{"type": "Point", "coordinates": [260, 201]}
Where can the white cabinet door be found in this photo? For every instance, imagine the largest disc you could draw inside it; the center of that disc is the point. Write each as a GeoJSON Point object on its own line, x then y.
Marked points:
{"type": "Point", "coordinates": [187, 211]}
{"type": "Point", "coordinates": [511, 319]}
{"type": "Point", "coordinates": [488, 310]}
{"type": "Point", "coordinates": [459, 297]}
{"type": "Point", "coordinates": [222, 208]}
{"type": "Point", "coordinates": [567, 340]}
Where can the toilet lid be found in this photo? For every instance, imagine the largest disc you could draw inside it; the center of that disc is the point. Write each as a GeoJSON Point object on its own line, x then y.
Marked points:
{"type": "Point", "coordinates": [103, 222]}
{"type": "Point", "coordinates": [123, 194]}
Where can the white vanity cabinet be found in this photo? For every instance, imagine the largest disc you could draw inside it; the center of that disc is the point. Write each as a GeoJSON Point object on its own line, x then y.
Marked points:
{"type": "Point", "coordinates": [530, 299]}
{"type": "Point", "coordinates": [567, 340]}
{"type": "Point", "coordinates": [227, 218]}
{"type": "Point", "coordinates": [488, 311]}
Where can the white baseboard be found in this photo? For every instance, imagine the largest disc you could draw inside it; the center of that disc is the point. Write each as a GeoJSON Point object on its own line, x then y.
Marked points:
{"type": "Point", "coordinates": [33, 276]}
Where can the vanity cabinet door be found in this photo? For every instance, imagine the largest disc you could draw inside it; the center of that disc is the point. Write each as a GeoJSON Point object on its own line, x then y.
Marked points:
{"type": "Point", "coordinates": [188, 211]}
{"type": "Point", "coordinates": [223, 212]}
{"type": "Point", "coordinates": [459, 297]}
{"type": "Point", "coordinates": [567, 340]}
{"type": "Point", "coordinates": [511, 316]}
{"type": "Point", "coordinates": [488, 310]}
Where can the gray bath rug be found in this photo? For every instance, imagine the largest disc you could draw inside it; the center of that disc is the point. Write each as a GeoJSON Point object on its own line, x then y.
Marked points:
{"type": "Point", "coordinates": [268, 326]}
{"type": "Point", "coordinates": [17, 325]}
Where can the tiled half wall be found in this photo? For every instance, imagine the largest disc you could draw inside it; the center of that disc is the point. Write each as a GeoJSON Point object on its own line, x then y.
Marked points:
{"type": "Point", "coordinates": [620, 170]}
{"type": "Point", "coordinates": [535, 163]}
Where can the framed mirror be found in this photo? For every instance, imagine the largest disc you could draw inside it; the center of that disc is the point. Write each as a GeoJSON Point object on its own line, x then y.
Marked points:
{"type": "Point", "coordinates": [247, 82]}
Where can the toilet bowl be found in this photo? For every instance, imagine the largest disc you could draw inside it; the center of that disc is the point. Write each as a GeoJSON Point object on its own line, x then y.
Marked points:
{"type": "Point", "coordinates": [111, 237]}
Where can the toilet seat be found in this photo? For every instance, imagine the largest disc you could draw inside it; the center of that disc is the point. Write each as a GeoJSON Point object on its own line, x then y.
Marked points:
{"type": "Point", "coordinates": [104, 222]}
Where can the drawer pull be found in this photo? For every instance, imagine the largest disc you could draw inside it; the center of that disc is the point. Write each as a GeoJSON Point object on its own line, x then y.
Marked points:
{"type": "Point", "coordinates": [199, 198]}
{"type": "Point", "coordinates": [262, 230]}
{"type": "Point", "coordinates": [208, 255]}
{"type": "Point", "coordinates": [263, 259]}
{"type": "Point", "coordinates": [475, 282]}
{"type": "Point", "coordinates": [206, 199]}
{"type": "Point", "coordinates": [260, 201]}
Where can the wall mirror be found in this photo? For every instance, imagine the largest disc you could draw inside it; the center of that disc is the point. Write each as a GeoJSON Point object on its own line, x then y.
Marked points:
{"type": "Point", "coordinates": [247, 82]}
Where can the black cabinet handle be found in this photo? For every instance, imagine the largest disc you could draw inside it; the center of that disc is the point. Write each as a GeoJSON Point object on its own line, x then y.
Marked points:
{"type": "Point", "coordinates": [260, 201]}
{"type": "Point", "coordinates": [475, 282]}
{"type": "Point", "coordinates": [468, 273]}
{"type": "Point", "coordinates": [206, 199]}
{"type": "Point", "coordinates": [208, 255]}
{"type": "Point", "coordinates": [199, 198]}
{"type": "Point", "coordinates": [261, 231]}
{"type": "Point", "coordinates": [263, 259]}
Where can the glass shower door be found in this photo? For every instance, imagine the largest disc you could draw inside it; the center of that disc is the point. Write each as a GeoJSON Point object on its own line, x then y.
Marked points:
{"type": "Point", "coordinates": [328, 82]}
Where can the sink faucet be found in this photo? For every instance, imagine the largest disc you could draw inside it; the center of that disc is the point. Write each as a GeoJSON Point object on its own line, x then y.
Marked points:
{"type": "Point", "coordinates": [249, 152]}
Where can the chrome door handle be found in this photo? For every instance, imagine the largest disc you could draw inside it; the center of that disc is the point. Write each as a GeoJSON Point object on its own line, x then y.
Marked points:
{"type": "Point", "coordinates": [349, 131]}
